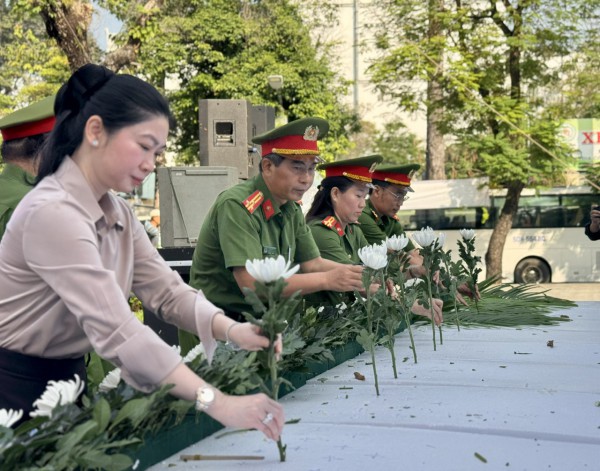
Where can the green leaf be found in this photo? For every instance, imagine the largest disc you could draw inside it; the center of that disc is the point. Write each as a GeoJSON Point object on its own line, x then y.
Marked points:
{"type": "Point", "coordinates": [101, 414]}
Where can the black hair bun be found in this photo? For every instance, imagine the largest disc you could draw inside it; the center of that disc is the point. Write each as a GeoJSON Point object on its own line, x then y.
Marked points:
{"type": "Point", "coordinates": [82, 85]}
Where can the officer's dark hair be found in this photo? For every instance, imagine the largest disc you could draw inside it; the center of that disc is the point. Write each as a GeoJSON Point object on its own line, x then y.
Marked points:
{"type": "Point", "coordinates": [23, 149]}
{"type": "Point", "coordinates": [275, 158]}
{"type": "Point", "coordinates": [120, 100]}
{"type": "Point", "coordinates": [322, 206]}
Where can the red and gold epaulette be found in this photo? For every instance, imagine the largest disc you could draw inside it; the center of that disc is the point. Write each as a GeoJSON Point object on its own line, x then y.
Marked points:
{"type": "Point", "coordinates": [396, 217]}
{"type": "Point", "coordinates": [268, 209]}
{"type": "Point", "coordinates": [333, 224]}
{"type": "Point", "coordinates": [253, 201]}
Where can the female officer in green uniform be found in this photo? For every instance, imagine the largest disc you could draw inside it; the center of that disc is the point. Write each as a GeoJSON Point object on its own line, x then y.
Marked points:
{"type": "Point", "coordinates": [334, 213]}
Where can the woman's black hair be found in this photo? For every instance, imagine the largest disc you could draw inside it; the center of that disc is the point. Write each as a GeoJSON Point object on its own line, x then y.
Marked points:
{"type": "Point", "coordinates": [322, 206]}
{"type": "Point", "coordinates": [120, 100]}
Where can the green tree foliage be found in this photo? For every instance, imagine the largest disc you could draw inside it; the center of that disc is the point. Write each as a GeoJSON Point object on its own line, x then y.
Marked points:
{"type": "Point", "coordinates": [226, 49]}
{"type": "Point", "coordinates": [502, 60]}
{"type": "Point", "coordinates": [31, 66]}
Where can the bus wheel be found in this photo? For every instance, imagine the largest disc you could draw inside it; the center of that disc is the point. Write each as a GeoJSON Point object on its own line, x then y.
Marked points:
{"type": "Point", "coordinates": [532, 270]}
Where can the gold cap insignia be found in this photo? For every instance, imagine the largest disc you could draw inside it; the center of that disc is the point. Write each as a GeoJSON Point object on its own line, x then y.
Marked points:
{"type": "Point", "coordinates": [311, 133]}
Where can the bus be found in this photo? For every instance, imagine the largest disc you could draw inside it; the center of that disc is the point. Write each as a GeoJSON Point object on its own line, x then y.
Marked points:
{"type": "Point", "coordinates": [546, 243]}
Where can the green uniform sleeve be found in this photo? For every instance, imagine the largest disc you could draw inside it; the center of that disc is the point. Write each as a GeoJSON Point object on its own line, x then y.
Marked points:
{"type": "Point", "coordinates": [306, 247]}
{"type": "Point", "coordinates": [238, 235]}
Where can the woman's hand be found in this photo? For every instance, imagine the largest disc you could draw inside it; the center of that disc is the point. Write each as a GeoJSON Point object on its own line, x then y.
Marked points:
{"type": "Point", "coordinates": [256, 411]}
{"type": "Point", "coordinates": [249, 337]}
{"type": "Point", "coordinates": [437, 306]}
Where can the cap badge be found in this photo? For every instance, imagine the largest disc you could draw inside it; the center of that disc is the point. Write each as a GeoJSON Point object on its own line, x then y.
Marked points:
{"type": "Point", "coordinates": [373, 167]}
{"type": "Point", "coordinates": [311, 133]}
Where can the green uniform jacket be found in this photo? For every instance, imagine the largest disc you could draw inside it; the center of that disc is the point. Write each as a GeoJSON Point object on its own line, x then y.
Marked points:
{"type": "Point", "coordinates": [338, 245]}
{"type": "Point", "coordinates": [246, 223]}
{"type": "Point", "coordinates": [377, 228]}
{"type": "Point", "coordinates": [15, 183]}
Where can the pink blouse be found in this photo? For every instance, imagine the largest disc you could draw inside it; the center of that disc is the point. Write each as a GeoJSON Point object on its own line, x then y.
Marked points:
{"type": "Point", "coordinates": [67, 266]}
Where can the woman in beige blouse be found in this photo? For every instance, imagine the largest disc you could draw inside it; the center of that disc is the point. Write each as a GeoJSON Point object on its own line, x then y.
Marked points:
{"type": "Point", "coordinates": [73, 252]}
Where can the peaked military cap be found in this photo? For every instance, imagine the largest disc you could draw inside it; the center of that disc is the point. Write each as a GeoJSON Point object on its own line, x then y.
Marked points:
{"type": "Point", "coordinates": [396, 174]}
{"type": "Point", "coordinates": [298, 138]}
{"type": "Point", "coordinates": [37, 118]}
{"type": "Point", "coordinates": [359, 169]}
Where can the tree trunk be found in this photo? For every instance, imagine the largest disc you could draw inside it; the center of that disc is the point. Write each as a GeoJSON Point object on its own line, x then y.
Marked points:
{"type": "Point", "coordinates": [436, 150]}
{"type": "Point", "coordinates": [495, 251]}
{"type": "Point", "coordinates": [68, 23]}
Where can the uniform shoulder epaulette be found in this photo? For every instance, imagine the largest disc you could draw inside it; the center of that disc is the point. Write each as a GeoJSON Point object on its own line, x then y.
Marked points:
{"type": "Point", "coordinates": [395, 217]}
{"type": "Point", "coordinates": [333, 224]}
{"type": "Point", "coordinates": [374, 214]}
{"type": "Point", "coordinates": [253, 201]}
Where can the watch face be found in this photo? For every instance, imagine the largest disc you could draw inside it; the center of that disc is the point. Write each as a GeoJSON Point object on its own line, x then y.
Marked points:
{"type": "Point", "coordinates": [207, 395]}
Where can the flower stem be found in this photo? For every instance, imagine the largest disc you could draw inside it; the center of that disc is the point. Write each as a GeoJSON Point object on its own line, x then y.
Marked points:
{"type": "Point", "coordinates": [372, 334]}
{"type": "Point", "coordinates": [432, 313]}
{"type": "Point", "coordinates": [410, 334]}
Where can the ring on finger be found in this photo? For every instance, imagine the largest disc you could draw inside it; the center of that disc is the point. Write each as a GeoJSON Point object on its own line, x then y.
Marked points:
{"type": "Point", "coordinates": [268, 418]}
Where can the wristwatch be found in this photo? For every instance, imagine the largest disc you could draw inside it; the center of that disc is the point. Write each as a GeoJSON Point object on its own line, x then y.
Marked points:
{"type": "Point", "coordinates": [205, 396]}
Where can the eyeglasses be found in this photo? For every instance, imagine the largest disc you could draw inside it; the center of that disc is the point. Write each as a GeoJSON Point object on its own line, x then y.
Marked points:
{"type": "Point", "coordinates": [299, 168]}
{"type": "Point", "coordinates": [402, 196]}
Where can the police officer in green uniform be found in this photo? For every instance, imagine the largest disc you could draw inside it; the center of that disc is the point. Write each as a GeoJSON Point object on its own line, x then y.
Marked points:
{"type": "Point", "coordinates": [379, 219]}
{"type": "Point", "coordinates": [334, 213]}
{"type": "Point", "coordinates": [260, 218]}
{"type": "Point", "coordinates": [23, 133]}
{"type": "Point", "coordinates": [333, 218]}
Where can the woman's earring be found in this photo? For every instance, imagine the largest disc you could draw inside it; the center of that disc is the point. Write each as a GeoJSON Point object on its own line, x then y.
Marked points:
{"type": "Point", "coordinates": [95, 143]}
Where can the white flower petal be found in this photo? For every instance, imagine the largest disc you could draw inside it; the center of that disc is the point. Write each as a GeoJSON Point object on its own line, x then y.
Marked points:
{"type": "Point", "coordinates": [251, 268]}
{"type": "Point", "coordinates": [425, 237]}
{"type": "Point", "coordinates": [467, 234]}
{"type": "Point", "coordinates": [194, 353]}
{"type": "Point", "coordinates": [270, 269]}
{"type": "Point", "coordinates": [57, 393]}
{"type": "Point", "coordinates": [9, 417]}
{"type": "Point", "coordinates": [412, 282]}
{"type": "Point", "coordinates": [396, 242]}
{"type": "Point", "coordinates": [110, 381]}
{"type": "Point", "coordinates": [440, 240]}
{"type": "Point", "coordinates": [373, 256]}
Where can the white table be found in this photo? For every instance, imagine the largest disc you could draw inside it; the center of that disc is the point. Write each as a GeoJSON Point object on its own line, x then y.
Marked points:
{"type": "Point", "coordinates": [501, 393]}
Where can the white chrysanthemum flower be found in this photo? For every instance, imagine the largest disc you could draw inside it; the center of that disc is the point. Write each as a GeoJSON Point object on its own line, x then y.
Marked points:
{"type": "Point", "coordinates": [321, 309]}
{"type": "Point", "coordinates": [194, 353]}
{"type": "Point", "coordinates": [57, 393]}
{"type": "Point", "coordinates": [412, 282]}
{"type": "Point", "coordinates": [425, 237]}
{"type": "Point", "coordinates": [110, 381]}
{"type": "Point", "coordinates": [396, 243]}
{"type": "Point", "coordinates": [269, 269]}
{"type": "Point", "coordinates": [373, 256]}
{"type": "Point", "coordinates": [467, 234]}
{"type": "Point", "coordinates": [439, 243]}
{"type": "Point", "coordinates": [341, 307]}
{"type": "Point", "coordinates": [8, 417]}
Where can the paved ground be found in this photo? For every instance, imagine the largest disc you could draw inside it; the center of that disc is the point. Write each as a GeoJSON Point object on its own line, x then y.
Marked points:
{"type": "Point", "coordinates": [573, 291]}
{"type": "Point", "coordinates": [487, 399]}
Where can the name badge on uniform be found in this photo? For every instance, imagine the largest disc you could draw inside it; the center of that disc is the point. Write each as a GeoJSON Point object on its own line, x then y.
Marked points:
{"type": "Point", "coordinates": [270, 251]}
